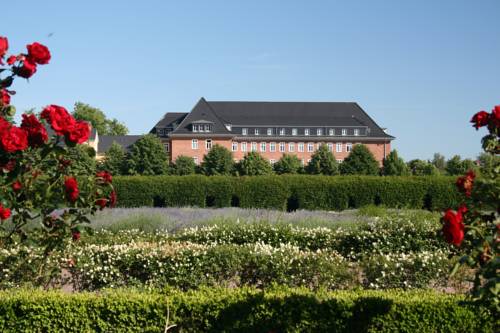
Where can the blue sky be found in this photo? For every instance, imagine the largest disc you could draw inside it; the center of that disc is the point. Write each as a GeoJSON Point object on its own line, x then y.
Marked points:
{"type": "Point", "coordinates": [419, 68]}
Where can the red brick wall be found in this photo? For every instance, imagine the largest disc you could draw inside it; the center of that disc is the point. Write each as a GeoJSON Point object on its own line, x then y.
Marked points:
{"type": "Point", "coordinates": [183, 147]}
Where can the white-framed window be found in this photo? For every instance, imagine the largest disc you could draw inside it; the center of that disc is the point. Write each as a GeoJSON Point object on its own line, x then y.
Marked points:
{"type": "Point", "coordinates": [256, 131]}
{"type": "Point", "coordinates": [348, 147]}
{"type": "Point", "coordinates": [195, 128]}
{"type": "Point", "coordinates": [208, 144]}
{"type": "Point", "coordinates": [269, 131]}
{"type": "Point", "coordinates": [244, 131]}
{"type": "Point", "coordinates": [167, 146]}
{"type": "Point", "coordinates": [196, 161]}
{"type": "Point", "coordinates": [282, 131]}
{"type": "Point", "coordinates": [310, 147]}
{"type": "Point", "coordinates": [263, 147]}
{"type": "Point", "coordinates": [207, 128]}
{"type": "Point", "coordinates": [291, 147]}
{"type": "Point", "coordinates": [272, 161]}
{"type": "Point", "coordinates": [306, 131]}
{"type": "Point", "coordinates": [234, 146]}
{"type": "Point", "coordinates": [194, 144]}
{"type": "Point", "coordinates": [294, 131]}
{"type": "Point", "coordinates": [254, 146]}
{"type": "Point", "coordinates": [330, 147]}
{"type": "Point", "coordinates": [301, 147]}
{"type": "Point", "coordinates": [282, 147]}
{"type": "Point", "coordinates": [331, 132]}
{"type": "Point", "coordinates": [319, 131]}
{"type": "Point", "coordinates": [344, 131]}
{"type": "Point", "coordinates": [356, 131]}
{"type": "Point", "coordinates": [339, 147]}
{"type": "Point", "coordinates": [243, 146]}
{"type": "Point", "coordinates": [340, 161]}
{"type": "Point", "coordinates": [272, 147]}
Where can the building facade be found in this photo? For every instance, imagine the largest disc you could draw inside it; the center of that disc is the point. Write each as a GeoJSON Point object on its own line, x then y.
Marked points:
{"type": "Point", "coordinates": [271, 129]}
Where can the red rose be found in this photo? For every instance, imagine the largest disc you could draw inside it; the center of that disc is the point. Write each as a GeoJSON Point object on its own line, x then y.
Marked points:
{"type": "Point", "coordinates": [75, 235]}
{"type": "Point", "coordinates": [71, 188]}
{"type": "Point", "coordinates": [37, 134]}
{"type": "Point", "coordinates": [17, 186]}
{"type": "Point", "coordinates": [4, 46]}
{"type": "Point", "coordinates": [4, 213]}
{"type": "Point", "coordinates": [480, 119]}
{"type": "Point", "coordinates": [102, 202]}
{"type": "Point", "coordinates": [4, 97]}
{"type": "Point", "coordinates": [112, 199]}
{"type": "Point", "coordinates": [106, 177]}
{"type": "Point", "coordinates": [59, 118]}
{"type": "Point", "coordinates": [495, 116]}
{"type": "Point", "coordinates": [11, 60]}
{"type": "Point", "coordinates": [14, 139]}
{"type": "Point", "coordinates": [462, 209]}
{"type": "Point", "coordinates": [4, 124]}
{"type": "Point", "coordinates": [27, 70]}
{"type": "Point", "coordinates": [465, 183]}
{"type": "Point", "coordinates": [453, 227]}
{"type": "Point", "coordinates": [78, 133]}
{"type": "Point", "coordinates": [38, 53]}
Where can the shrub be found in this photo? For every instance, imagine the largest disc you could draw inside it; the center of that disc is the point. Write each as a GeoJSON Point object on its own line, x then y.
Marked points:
{"type": "Point", "coordinates": [253, 164]}
{"type": "Point", "coordinates": [241, 310]}
{"type": "Point", "coordinates": [394, 165]}
{"type": "Point", "coordinates": [262, 192]}
{"type": "Point", "coordinates": [184, 165]}
{"type": "Point", "coordinates": [360, 162]}
{"type": "Point", "coordinates": [218, 161]}
{"type": "Point", "coordinates": [147, 156]}
{"type": "Point", "coordinates": [114, 160]}
{"type": "Point", "coordinates": [323, 162]}
{"type": "Point", "coordinates": [288, 163]}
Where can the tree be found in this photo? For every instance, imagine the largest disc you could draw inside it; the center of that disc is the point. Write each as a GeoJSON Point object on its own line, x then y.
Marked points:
{"type": "Point", "coordinates": [489, 163]}
{"type": "Point", "coordinates": [147, 156]}
{"type": "Point", "coordinates": [439, 162]}
{"type": "Point", "coordinates": [323, 162]}
{"type": "Point", "coordinates": [253, 164]}
{"type": "Point", "coordinates": [456, 166]}
{"type": "Point", "coordinates": [422, 168]}
{"type": "Point", "coordinates": [360, 162]}
{"type": "Point", "coordinates": [82, 158]}
{"type": "Point", "coordinates": [288, 163]}
{"type": "Point", "coordinates": [184, 165]}
{"type": "Point", "coordinates": [218, 161]}
{"type": "Point", "coordinates": [395, 165]}
{"type": "Point", "coordinates": [114, 160]}
{"type": "Point", "coordinates": [98, 120]}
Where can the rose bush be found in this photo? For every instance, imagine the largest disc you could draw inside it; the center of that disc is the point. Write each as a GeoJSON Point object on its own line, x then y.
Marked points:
{"type": "Point", "coordinates": [43, 201]}
{"type": "Point", "coordinates": [475, 227]}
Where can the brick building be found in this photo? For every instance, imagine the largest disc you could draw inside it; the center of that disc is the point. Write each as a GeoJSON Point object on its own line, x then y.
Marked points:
{"type": "Point", "coordinates": [271, 129]}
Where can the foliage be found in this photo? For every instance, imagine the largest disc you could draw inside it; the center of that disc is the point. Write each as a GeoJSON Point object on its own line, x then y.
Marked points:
{"type": "Point", "coordinates": [359, 162]}
{"type": "Point", "coordinates": [422, 168]}
{"type": "Point", "coordinates": [488, 163]}
{"type": "Point", "coordinates": [474, 228]}
{"type": "Point", "coordinates": [456, 166]}
{"type": "Point", "coordinates": [184, 165]}
{"type": "Point", "coordinates": [147, 156]}
{"type": "Point", "coordinates": [323, 162]}
{"type": "Point", "coordinates": [49, 185]}
{"type": "Point", "coordinates": [97, 118]}
{"type": "Point", "coordinates": [439, 161]}
{"type": "Point", "coordinates": [241, 310]}
{"type": "Point", "coordinates": [218, 161]}
{"type": "Point", "coordinates": [114, 160]}
{"type": "Point", "coordinates": [288, 163]}
{"type": "Point", "coordinates": [393, 165]}
{"type": "Point", "coordinates": [253, 164]}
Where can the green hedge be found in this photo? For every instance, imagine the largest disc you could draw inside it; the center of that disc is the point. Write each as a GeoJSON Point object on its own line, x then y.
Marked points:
{"type": "Point", "coordinates": [288, 192]}
{"type": "Point", "coordinates": [240, 310]}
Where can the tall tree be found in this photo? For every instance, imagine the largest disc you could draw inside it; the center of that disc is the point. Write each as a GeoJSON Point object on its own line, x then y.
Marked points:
{"type": "Point", "coordinates": [288, 163]}
{"type": "Point", "coordinates": [218, 161]}
{"type": "Point", "coordinates": [97, 118]}
{"type": "Point", "coordinates": [114, 160]}
{"type": "Point", "coordinates": [422, 168]}
{"type": "Point", "coordinates": [323, 162]}
{"type": "Point", "coordinates": [253, 164]}
{"type": "Point", "coordinates": [456, 166]}
{"type": "Point", "coordinates": [394, 165]}
{"type": "Point", "coordinates": [147, 156]}
{"type": "Point", "coordinates": [439, 162]}
{"type": "Point", "coordinates": [360, 162]}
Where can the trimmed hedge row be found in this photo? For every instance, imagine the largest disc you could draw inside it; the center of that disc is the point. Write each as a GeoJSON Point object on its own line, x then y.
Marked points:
{"type": "Point", "coordinates": [240, 310]}
{"type": "Point", "coordinates": [288, 192]}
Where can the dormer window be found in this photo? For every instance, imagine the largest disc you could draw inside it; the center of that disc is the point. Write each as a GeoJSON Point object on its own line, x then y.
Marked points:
{"type": "Point", "coordinates": [244, 131]}
{"type": "Point", "coordinates": [282, 131]}
{"type": "Point", "coordinates": [356, 132]}
{"type": "Point", "coordinates": [294, 131]}
{"type": "Point", "coordinates": [201, 127]}
{"type": "Point", "coordinates": [256, 131]}
{"type": "Point", "coordinates": [306, 131]}
{"type": "Point", "coordinates": [331, 132]}
{"type": "Point", "coordinates": [269, 131]}
{"type": "Point", "coordinates": [195, 128]}
{"type": "Point", "coordinates": [344, 132]}
{"type": "Point", "coordinates": [319, 131]}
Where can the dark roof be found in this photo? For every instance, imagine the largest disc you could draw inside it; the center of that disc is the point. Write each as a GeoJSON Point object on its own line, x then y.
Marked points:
{"type": "Point", "coordinates": [275, 114]}
{"type": "Point", "coordinates": [170, 118]}
{"type": "Point", "coordinates": [105, 141]}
